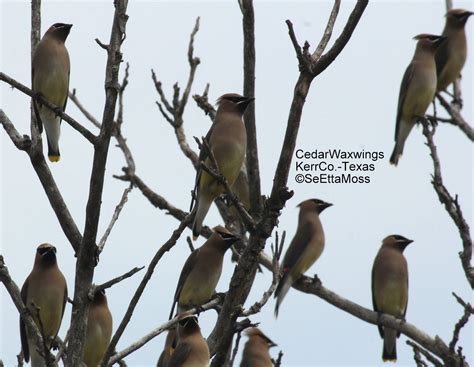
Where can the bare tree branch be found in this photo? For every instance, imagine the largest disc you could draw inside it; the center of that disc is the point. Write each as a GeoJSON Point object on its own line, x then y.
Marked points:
{"type": "Point", "coordinates": [276, 253]}
{"type": "Point", "coordinates": [88, 251]}
{"type": "Point", "coordinates": [253, 170]}
{"type": "Point", "coordinates": [468, 311]}
{"type": "Point", "coordinates": [244, 273]}
{"type": "Point", "coordinates": [328, 31]}
{"type": "Point", "coordinates": [203, 103]}
{"type": "Point", "coordinates": [456, 117]}
{"type": "Point", "coordinates": [21, 142]}
{"type": "Point", "coordinates": [73, 97]}
{"type": "Point", "coordinates": [114, 219]}
{"type": "Point", "coordinates": [113, 281]}
{"type": "Point", "coordinates": [434, 345]}
{"type": "Point", "coordinates": [176, 109]}
{"type": "Point", "coordinates": [450, 204]}
{"type": "Point", "coordinates": [435, 362]}
{"type": "Point", "coordinates": [58, 110]}
{"type": "Point", "coordinates": [213, 304]}
{"type": "Point", "coordinates": [49, 185]}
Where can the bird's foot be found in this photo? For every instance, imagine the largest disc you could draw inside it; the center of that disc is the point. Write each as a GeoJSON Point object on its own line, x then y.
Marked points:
{"type": "Point", "coordinates": [58, 111]}
{"type": "Point", "coordinates": [402, 320]}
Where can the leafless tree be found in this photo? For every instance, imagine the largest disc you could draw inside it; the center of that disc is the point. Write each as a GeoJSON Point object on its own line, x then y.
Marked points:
{"type": "Point", "coordinates": [259, 223]}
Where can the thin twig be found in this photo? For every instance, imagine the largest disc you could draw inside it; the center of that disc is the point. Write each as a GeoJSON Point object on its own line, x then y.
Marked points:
{"type": "Point", "coordinates": [468, 311]}
{"type": "Point", "coordinates": [277, 363]}
{"type": "Point", "coordinates": [276, 252]}
{"type": "Point", "coordinates": [112, 282]}
{"type": "Point", "coordinates": [435, 362]}
{"type": "Point", "coordinates": [157, 331]}
{"type": "Point", "coordinates": [115, 216]}
{"type": "Point", "coordinates": [450, 204]}
{"type": "Point", "coordinates": [236, 348]}
{"type": "Point", "coordinates": [59, 111]}
{"type": "Point", "coordinates": [327, 32]}
{"type": "Point", "coordinates": [456, 117]}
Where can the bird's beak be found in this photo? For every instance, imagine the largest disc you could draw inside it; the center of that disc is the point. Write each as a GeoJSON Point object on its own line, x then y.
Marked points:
{"type": "Point", "coordinates": [245, 102]}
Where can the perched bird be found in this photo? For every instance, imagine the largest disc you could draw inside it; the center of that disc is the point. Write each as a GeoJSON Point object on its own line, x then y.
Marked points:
{"type": "Point", "coordinates": [416, 91]}
{"type": "Point", "coordinates": [305, 248]}
{"type": "Point", "coordinates": [451, 55]}
{"type": "Point", "coordinates": [44, 293]}
{"type": "Point", "coordinates": [202, 270]}
{"type": "Point", "coordinates": [256, 350]}
{"type": "Point", "coordinates": [99, 330]}
{"type": "Point", "coordinates": [192, 349]}
{"type": "Point", "coordinates": [170, 346]}
{"type": "Point", "coordinates": [227, 140]}
{"type": "Point", "coordinates": [390, 288]}
{"type": "Point", "coordinates": [50, 77]}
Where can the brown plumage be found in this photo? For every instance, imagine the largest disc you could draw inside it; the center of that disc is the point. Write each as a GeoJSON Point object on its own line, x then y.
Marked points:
{"type": "Point", "coordinates": [451, 54]}
{"type": "Point", "coordinates": [305, 248]}
{"type": "Point", "coordinates": [202, 270]}
{"type": "Point", "coordinates": [50, 78]}
{"type": "Point", "coordinates": [256, 350]}
{"type": "Point", "coordinates": [227, 140]}
{"type": "Point", "coordinates": [46, 289]}
{"type": "Point", "coordinates": [168, 350]}
{"type": "Point", "coordinates": [390, 288]}
{"type": "Point", "coordinates": [192, 349]}
{"type": "Point", "coordinates": [416, 91]}
{"type": "Point", "coordinates": [99, 330]}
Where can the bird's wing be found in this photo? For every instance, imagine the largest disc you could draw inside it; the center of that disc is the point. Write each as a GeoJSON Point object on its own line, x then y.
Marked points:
{"type": "Point", "coordinates": [375, 304]}
{"type": "Point", "coordinates": [202, 158]}
{"type": "Point", "coordinates": [406, 81]}
{"type": "Point", "coordinates": [441, 58]}
{"type": "Point", "coordinates": [297, 246]}
{"type": "Point", "coordinates": [188, 266]}
{"type": "Point", "coordinates": [180, 355]}
{"type": "Point", "coordinates": [24, 339]}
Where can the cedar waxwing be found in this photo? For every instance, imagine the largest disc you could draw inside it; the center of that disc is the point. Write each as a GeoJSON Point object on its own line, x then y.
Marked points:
{"type": "Point", "coordinates": [451, 55]}
{"type": "Point", "coordinates": [45, 288]}
{"type": "Point", "coordinates": [256, 350]}
{"type": "Point", "coordinates": [50, 77]}
{"type": "Point", "coordinates": [305, 248]}
{"type": "Point", "coordinates": [192, 349]}
{"type": "Point", "coordinates": [170, 345]}
{"type": "Point", "coordinates": [390, 288]}
{"type": "Point", "coordinates": [416, 91]}
{"type": "Point", "coordinates": [227, 140]}
{"type": "Point", "coordinates": [202, 270]}
{"type": "Point", "coordinates": [99, 330]}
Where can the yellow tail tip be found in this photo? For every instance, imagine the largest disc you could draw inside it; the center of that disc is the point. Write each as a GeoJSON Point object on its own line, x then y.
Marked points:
{"type": "Point", "coordinates": [195, 237]}
{"type": "Point", "coordinates": [54, 158]}
{"type": "Point", "coordinates": [389, 359]}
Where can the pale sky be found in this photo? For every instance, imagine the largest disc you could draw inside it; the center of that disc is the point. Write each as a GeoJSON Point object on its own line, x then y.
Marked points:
{"type": "Point", "coordinates": [351, 106]}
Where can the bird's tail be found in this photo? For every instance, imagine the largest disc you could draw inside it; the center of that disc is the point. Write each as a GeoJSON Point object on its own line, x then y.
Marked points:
{"type": "Point", "coordinates": [389, 345]}
{"type": "Point", "coordinates": [53, 130]}
{"type": "Point", "coordinates": [203, 205]}
{"type": "Point", "coordinates": [282, 289]}
{"type": "Point", "coordinates": [396, 154]}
